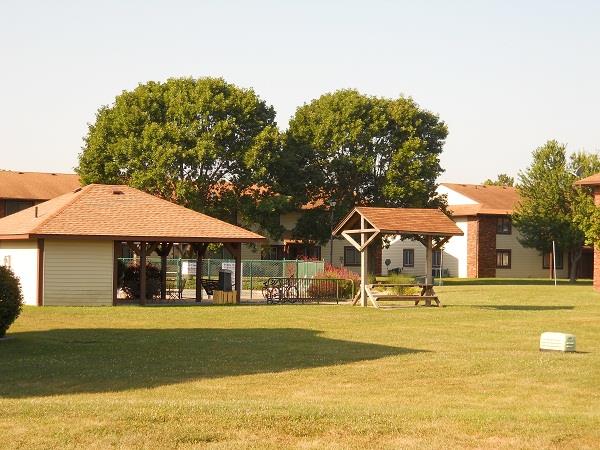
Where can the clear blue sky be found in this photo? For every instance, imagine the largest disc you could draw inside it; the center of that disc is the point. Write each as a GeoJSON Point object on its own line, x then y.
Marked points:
{"type": "Point", "coordinates": [504, 75]}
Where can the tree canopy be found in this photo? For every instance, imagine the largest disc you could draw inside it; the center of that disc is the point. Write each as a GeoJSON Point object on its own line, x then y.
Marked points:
{"type": "Point", "coordinates": [356, 149]}
{"type": "Point", "coordinates": [203, 143]}
{"type": "Point", "coordinates": [549, 200]}
{"type": "Point", "coordinates": [502, 180]}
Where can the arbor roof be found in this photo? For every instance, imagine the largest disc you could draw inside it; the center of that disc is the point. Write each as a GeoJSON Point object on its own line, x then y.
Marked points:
{"type": "Point", "coordinates": [407, 221]}
{"type": "Point", "coordinates": [119, 212]}
{"type": "Point", "coordinates": [36, 185]}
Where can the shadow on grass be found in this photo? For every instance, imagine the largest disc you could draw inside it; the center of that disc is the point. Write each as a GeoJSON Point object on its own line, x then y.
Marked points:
{"type": "Point", "coordinates": [68, 361]}
{"type": "Point", "coordinates": [511, 282]}
{"type": "Point", "coordinates": [524, 307]}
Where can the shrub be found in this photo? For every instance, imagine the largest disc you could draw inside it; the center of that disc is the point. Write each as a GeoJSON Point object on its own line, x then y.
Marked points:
{"type": "Point", "coordinates": [329, 290]}
{"type": "Point", "coordinates": [11, 299]}
{"type": "Point", "coordinates": [131, 280]}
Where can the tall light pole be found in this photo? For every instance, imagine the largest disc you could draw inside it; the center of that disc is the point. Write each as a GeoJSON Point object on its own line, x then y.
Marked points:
{"type": "Point", "coordinates": [331, 206]}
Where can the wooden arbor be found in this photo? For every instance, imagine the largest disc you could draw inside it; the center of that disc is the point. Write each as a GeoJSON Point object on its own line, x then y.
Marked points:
{"type": "Point", "coordinates": [363, 225]}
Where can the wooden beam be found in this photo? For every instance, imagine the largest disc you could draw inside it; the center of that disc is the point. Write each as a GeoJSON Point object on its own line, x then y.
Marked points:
{"type": "Point", "coordinates": [142, 273]}
{"type": "Point", "coordinates": [369, 240]}
{"type": "Point", "coordinates": [362, 230]}
{"type": "Point", "coordinates": [428, 259]}
{"type": "Point", "coordinates": [439, 244]}
{"type": "Point", "coordinates": [363, 266]}
{"type": "Point", "coordinates": [350, 239]}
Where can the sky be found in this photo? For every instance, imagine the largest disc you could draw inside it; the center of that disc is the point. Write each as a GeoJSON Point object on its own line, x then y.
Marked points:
{"type": "Point", "coordinates": [505, 76]}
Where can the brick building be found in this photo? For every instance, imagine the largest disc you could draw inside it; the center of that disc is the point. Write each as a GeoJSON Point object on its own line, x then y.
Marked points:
{"type": "Point", "coordinates": [490, 246]}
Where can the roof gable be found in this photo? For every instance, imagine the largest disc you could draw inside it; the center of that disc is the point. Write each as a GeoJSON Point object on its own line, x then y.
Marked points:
{"type": "Point", "coordinates": [498, 200]}
{"type": "Point", "coordinates": [120, 212]}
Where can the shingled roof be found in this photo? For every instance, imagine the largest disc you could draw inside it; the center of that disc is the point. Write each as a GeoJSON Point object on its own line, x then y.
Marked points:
{"type": "Point", "coordinates": [495, 200]}
{"type": "Point", "coordinates": [119, 212]}
{"type": "Point", "coordinates": [593, 180]}
{"type": "Point", "coordinates": [36, 185]}
{"type": "Point", "coordinates": [418, 221]}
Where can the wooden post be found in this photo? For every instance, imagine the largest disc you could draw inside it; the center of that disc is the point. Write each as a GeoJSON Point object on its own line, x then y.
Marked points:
{"type": "Point", "coordinates": [428, 260]}
{"type": "Point", "coordinates": [142, 273]}
{"type": "Point", "coordinates": [237, 254]}
{"type": "Point", "coordinates": [199, 254]}
{"type": "Point", "coordinates": [116, 248]}
{"type": "Point", "coordinates": [363, 265]}
{"type": "Point", "coordinates": [200, 251]}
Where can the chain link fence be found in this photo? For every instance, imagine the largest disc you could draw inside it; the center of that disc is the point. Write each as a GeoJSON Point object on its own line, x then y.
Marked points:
{"type": "Point", "coordinates": [181, 273]}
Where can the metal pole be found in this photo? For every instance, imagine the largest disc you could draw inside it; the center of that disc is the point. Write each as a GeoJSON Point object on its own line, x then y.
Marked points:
{"type": "Point", "coordinates": [251, 285]}
{"type": "Point", "coordinates": [331, 206]}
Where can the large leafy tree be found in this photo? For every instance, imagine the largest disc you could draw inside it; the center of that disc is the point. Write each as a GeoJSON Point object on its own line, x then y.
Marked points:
{"type": "Point", "coordinates": [356, 149]}
{"type": "Point", "coordinates": [501, 180]}
{"type": "Point", "coordinates": [203, 143]}
{"type": "Point", "coordinates": [549, 201]}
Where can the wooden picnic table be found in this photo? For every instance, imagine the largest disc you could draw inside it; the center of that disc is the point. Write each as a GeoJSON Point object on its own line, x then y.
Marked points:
{"type": "Point", "coordinates": [427, 294]}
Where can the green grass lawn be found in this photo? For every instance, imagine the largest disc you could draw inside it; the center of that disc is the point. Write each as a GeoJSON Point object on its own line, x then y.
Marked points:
{"type": "Point", "coordinates": [468, 375]}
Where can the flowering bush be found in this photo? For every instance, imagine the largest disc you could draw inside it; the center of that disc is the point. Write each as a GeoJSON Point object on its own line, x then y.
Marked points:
{"type": "Point", "coordinates": [329, 290]}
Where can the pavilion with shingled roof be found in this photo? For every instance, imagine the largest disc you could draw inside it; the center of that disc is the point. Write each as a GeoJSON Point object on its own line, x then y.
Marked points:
{"type": "Point", "coordinates": [65, 250]}
{"type": "Point", "coordinates": [363, 225]}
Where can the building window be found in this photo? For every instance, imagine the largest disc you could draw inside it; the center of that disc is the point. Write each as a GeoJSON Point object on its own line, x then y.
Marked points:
{"type": "Point", "coordinates": [437, 258]}
{"type": "Point", "coordinates": [351, 256]}
{"type": "Point", "coordinates": [503, 259]}
{"type": "Point", "coordinates": [408, 257]}
{"type": "Point", "coordinates": [14, 206]}
{"type": "Point", "coordinates": [272, 252]}
{"type": "Point", "coordinates": [546, 260]}
{"type": "Point", "coordinates": [504, 225]}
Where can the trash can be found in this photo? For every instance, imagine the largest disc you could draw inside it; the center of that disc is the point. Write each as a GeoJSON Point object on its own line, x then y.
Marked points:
{"type": "Point", "coordinates": [225, 280]}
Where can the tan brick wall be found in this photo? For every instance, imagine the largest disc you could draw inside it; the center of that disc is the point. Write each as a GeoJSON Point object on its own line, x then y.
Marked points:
{"type": "Point", "coordinates": [472, 245]}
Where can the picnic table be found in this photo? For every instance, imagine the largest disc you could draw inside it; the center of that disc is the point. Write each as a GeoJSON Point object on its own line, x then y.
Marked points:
{"type": "Point", "coordinates": [427, 294]}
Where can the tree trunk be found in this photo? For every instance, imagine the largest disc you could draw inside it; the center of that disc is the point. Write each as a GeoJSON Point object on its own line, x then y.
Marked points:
{"type": "Point", "coordinates": [575, 257]}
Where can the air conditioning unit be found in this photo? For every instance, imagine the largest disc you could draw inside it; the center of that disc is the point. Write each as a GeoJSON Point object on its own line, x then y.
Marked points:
{"type": "Point", "coordinates": [559, 342]}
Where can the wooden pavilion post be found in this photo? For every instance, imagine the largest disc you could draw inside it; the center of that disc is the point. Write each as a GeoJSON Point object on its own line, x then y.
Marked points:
{"type": "Point", "coordinates": [163, 252]}
{"type": "Point", "coordinates": [200, 251]}
{"type": "Point", "coordinates": [237, 255]}
{"type": "Point", "coordinates": [235, 249]}
{"type": "Point", "coordinates": [142, 273]}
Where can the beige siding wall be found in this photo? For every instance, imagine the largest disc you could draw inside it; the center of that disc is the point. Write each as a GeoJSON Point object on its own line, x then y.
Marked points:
{"type": "Point", "coordinates": [78, 272]}
{"type": "Point", "coordinates": [250, 252]}
{"type": "Point", "coordinates": [21, 256]}
{"type": "Point", "coordinates": [525, 262]}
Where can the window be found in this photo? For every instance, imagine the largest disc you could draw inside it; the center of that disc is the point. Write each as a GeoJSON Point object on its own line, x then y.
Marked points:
{"type": "Point", "coordinates": [546, 259]}
{"type": "Point", "coordinates": [408, 257]}
{"type": "Point", "coordinates": [351, 256]}
{"type": "Point", "coordinates": [504, 225]}
{"type": "Point", "coordinates": [503, 259]}
{"type": "Point", "coordinates": [437, 258]}
{"type": "Point", "coordinates": [14, 206]}
{"type": "Point", "coordinates": [272, 252]}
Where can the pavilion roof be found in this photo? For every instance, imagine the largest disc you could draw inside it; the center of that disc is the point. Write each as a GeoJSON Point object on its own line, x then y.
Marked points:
{"type": "Point", "coordinates": [407, 221]}
{"type": "Point", "coordinates": [119, 212]}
